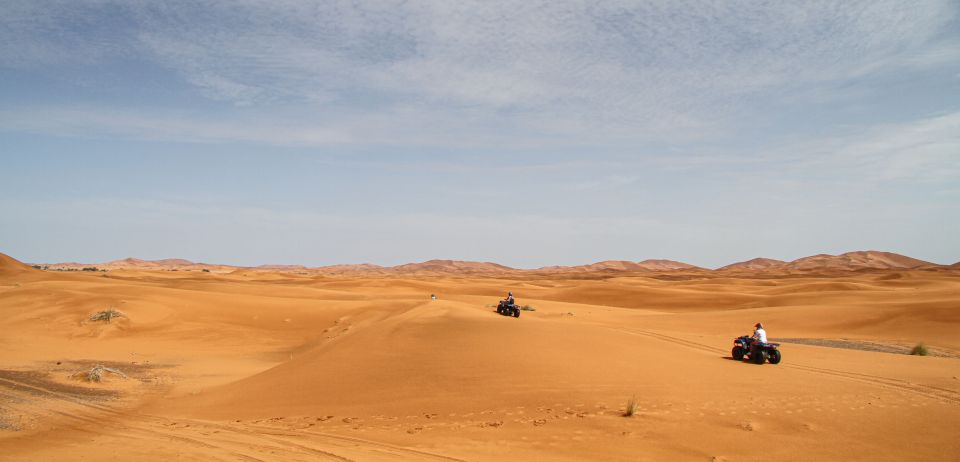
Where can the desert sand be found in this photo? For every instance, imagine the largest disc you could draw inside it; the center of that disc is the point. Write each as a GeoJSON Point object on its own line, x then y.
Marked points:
{"type": "Point", "coordinates": [358, 363]}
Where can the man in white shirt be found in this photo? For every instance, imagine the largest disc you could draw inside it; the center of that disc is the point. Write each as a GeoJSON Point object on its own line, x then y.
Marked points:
{"type": "Point", "coordinates": [759, 334]}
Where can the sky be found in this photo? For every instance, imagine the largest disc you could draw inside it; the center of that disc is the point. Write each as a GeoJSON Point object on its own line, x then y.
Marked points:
{"type": "Point", "coordinates": [528, 133]}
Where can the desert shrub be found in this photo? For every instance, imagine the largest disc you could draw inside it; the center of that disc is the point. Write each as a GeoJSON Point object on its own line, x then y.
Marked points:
{"type": "Point", "coordinates": [205, 270]}
{"type": "Point", "coordinates": [528, 308]}
{"type": "Point", "coordinates": [96, 373]}
{"type": "Point", "coordinates": [106, 315]}
{"type": "Point", "coordinates": [632, 406]}
{"type": "Point", "coordinates": [919, 350]}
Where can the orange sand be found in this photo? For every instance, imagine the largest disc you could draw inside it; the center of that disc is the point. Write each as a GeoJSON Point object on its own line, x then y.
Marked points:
{"type": "Point", "coordinates": [272, 366]}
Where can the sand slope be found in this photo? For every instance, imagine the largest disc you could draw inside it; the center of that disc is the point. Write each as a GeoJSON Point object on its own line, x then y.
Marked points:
{"type": "Point", "coordinates": [276, 366]}
{"type": "Point", "coordinates": [11, 267]}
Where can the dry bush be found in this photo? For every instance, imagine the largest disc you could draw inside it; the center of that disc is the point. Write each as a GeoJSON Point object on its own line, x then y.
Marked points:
{"type": "Point", "coordinates": [632, 406]}
{"type": "Point", "coordinates": [106, 315]}
{"type": "Point", "coordinates": [96, 373]}
{"type": "Point", "coordinates": [528, 308]}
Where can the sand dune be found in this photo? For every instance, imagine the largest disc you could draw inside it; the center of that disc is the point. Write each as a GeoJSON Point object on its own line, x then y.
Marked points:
{"type": "Point", "coordinates": [362, 365]}
{"type": "Point", "coordinates": [447, 266]}
{"type": "Point", "coordinates": [857, 260]}
{"type": "Point", "coordinates": [754, 264]}
{"type": "Point", "coordinates": [622, 265]}
{"type": "Point", "coordinates": [850, 261]}
{"type": "Point", "coordinates": [10, 266]}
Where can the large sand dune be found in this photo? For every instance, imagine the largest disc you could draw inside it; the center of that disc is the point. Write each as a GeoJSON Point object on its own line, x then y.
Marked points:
{"type": "Point", "coordinates": [360, 364]}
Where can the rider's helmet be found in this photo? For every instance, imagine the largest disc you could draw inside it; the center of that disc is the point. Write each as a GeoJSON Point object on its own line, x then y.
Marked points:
{"type": "Point", "coordinates": [759, 325]}
{"type": "Point", "coordinates": [510, 294]}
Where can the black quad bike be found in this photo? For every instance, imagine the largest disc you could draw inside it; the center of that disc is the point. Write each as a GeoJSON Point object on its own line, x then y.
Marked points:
{"type": "Point", "coordinates": [508, 309]}
{"type": "Point", "coordinates": [756, 352]}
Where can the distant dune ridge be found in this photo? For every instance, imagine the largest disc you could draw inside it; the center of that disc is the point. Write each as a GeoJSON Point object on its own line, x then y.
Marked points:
{"type": "Point", "coordinates": [859, 260]}
{"type": "Point", "coordinates": [754, 264]}
{"type": "Point", "coordinates": [849, 261]}
{"type": "Point", "coordinates": [624, 265]}
{"type": "Point", "coordinates": [452, 266]}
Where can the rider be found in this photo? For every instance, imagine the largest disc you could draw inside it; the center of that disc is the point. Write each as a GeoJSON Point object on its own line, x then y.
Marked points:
{"type": "Point", "coordinates": [759, 334]}
{"type": "Point", "coordinates": [509, 300]}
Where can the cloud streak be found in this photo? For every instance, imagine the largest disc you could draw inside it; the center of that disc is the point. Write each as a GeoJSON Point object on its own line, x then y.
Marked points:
{"type": "Point", "coordinates": [623, 71]}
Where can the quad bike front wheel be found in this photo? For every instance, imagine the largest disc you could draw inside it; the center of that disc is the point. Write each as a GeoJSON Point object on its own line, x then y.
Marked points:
{"type": "Point", "coordinates": [775, 357]}
{"type": "Point", "coordinates": [737, 353]}
{"type": "Point", "coordinates": [516, 312]}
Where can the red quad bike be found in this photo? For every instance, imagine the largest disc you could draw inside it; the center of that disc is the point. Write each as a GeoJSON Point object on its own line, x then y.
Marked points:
{"type": "Point", "coordinates": [747, 348]}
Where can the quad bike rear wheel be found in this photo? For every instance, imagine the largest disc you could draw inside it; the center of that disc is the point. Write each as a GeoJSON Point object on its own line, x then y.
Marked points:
{"type": "Point", "coordinates": [775, 357]}
{"type": "Point", "coordinates": [759, 357]}
{"type": "Point", "coordinates": [737, 353]}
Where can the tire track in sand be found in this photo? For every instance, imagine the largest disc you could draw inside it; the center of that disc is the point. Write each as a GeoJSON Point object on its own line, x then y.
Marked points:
{"type": "Point", "coordinates": [927, 391]}
{"type": "Point", "coordinates": [154, 431]}
{"type": "Point", "coordinates": [339, 440]}
{"type": "Point", "coordinates": [144, 434]}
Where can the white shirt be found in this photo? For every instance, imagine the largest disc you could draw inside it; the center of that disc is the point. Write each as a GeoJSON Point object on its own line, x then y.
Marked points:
{"type": "Point", "coordinates": [760, 335]}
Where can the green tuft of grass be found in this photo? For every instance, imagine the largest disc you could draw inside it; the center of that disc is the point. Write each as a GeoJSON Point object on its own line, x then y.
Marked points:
{"type": "Point", "coordinates": [106, 315]}
{"type": "Point", "coordinates": [632, 406]}
{"type": "Point", "coordinates": [919, 350]}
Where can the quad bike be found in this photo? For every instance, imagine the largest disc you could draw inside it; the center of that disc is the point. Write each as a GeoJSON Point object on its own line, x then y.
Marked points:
{"type": "Point", "coordinates": [756, 352]}
{"type": "Point", "coordinates": [508, 309]}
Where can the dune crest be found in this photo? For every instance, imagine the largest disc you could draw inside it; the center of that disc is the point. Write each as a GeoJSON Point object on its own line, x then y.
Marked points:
{"type": "Point", "coordinates": [448, 266]}
{"type": "Point", "coordinates": [754, 264]}
{"type": "Point", "coordinates": [858, 260]}
{"type": "Point", "coordinates": [10, 266]}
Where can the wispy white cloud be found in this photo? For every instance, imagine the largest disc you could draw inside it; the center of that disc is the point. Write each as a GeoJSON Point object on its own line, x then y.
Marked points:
{"type": "Point", "coordinates": [918, 150]}
{"type": "Point", "coordinates": [624, 72]}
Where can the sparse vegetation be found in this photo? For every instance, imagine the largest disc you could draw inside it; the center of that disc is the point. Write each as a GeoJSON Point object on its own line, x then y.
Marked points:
{"type": "Point", "coordinates": [632, 406]}
{"type": "Point", "coordinates": [106, 315]}
{"type": "Point", "coordinates": [919, 350]}
{"type": "Point", "coordinates": [205, 270]}
{"type": "Point", "coordinates": [96, 373]}
{"type": "Point", "coordinates": [528, 308]}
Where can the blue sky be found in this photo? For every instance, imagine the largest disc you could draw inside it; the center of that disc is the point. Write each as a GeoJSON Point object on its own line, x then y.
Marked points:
{"type": "Point", "coordinates": [528, 133]}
